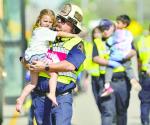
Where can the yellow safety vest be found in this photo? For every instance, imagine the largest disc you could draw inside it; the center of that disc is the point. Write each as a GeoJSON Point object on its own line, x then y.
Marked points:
{"type": "Point", "coordinates": [89, 65]}
{"type": "Point", "coordinates": [93, 68]}
{"type": "Point", "coordinates": [143, 48]}
{"type": "Point", "coordinates": [65, 45]}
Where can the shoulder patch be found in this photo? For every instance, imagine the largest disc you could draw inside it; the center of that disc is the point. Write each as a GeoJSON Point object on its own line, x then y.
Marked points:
{"type": "Point", "coordinates": [80, 47]}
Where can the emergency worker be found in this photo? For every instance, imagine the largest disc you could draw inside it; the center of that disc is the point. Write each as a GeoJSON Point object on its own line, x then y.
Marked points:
{"type": "Point", "coordinates": [92, 67]}
{"type": "Point", "coordinates": [117, 103]}
{"type": "Point", "coordinates": [143, 51]}
{"type": "Point", "coordinates": [69, 20]}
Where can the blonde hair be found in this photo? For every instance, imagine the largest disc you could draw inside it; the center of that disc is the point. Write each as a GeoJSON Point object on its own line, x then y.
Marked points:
{"type": "Point", "coordinates": [45, 12]}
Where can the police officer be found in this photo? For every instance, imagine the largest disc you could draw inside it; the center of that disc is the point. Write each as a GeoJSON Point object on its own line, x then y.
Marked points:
{"type": "Point", "coordinates": [117, 103]}
{"type": "Point", "coordinates": [143, 50]}
{"type": "Point", "coordinates": [69, 20]}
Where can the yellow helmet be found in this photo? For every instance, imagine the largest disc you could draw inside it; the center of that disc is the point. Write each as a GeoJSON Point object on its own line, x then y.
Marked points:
{"type": "Point", "coordinates": [72, 13]}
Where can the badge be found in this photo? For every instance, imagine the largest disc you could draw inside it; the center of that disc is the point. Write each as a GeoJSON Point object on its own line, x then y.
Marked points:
{"type": "Point", "coordinates": [65, 10]}
{"type": "Point", "coordinates": [80, 47]}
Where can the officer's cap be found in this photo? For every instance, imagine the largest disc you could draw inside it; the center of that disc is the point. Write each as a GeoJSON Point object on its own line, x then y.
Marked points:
{"type": "Point", "coordinates": [105, 24]}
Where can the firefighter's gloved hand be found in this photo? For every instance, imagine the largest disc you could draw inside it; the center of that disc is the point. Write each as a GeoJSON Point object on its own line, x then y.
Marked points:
{"type": "Point", "coordinates": [113, 64]}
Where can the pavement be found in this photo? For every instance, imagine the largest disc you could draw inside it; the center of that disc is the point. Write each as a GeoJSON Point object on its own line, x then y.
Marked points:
{"type": "Point", "coordinates": [84, 108]}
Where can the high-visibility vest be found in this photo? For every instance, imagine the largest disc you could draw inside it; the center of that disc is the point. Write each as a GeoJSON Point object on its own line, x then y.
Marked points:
{"type": "Point", "coordinates": [93, 68]}
{"type": "Point", "coordinates": [89, 65]}
{"type": "Point", "coordinates": [64, 45]}
{"type": "Point", "coordinates": [143, 49]}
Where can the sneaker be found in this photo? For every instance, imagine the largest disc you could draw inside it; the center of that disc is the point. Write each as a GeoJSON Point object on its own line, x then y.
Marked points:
{"type": "Point", "coordinates": [135, 84]}
{"type": "Point", "coordinates": [107, 92]}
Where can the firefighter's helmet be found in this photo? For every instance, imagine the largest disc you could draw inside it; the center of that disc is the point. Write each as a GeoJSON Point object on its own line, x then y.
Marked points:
{"type": "Point", "coordinates": [72, 13]}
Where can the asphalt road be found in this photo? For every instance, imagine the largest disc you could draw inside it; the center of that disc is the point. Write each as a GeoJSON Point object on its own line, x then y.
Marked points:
{"type": "Point", "coordinates": [85, 111]}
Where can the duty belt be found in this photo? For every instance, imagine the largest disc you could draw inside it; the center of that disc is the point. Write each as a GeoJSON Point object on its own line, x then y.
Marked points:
{"type": "Point", "coordinates": [64, 93]}
{"type": "Point", "coordinates": [118, 76]}
{"type": "Point", "coordinates": [42, 93]}
{"type": "Point", "coordinates": [39, 92]}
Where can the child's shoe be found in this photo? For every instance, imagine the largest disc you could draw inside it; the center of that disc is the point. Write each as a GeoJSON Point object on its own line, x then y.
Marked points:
{"type": "Point", "coordinates": [107, 91]}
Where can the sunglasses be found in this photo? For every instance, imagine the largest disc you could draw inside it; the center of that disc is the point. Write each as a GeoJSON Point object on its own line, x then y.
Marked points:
{"type": "Point", "coordinates": [63, 20]}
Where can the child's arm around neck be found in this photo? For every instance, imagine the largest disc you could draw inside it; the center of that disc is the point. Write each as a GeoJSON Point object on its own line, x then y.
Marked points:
{"type": "Point", "coordinates": [65, 34]}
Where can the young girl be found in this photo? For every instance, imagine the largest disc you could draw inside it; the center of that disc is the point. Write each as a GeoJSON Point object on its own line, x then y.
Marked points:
{"type": "Point", "coordinates": [38, 49]}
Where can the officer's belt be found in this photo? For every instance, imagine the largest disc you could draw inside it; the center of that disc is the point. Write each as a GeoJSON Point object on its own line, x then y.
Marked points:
{"type": "Point", "coordinates": [119, 75]}
{"type": "Point", "coordinates": [116, 76]}
{"type": "Point", "coordinates": [64, 93]}
{"type": "Point", "coordinates": [41, 93]}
